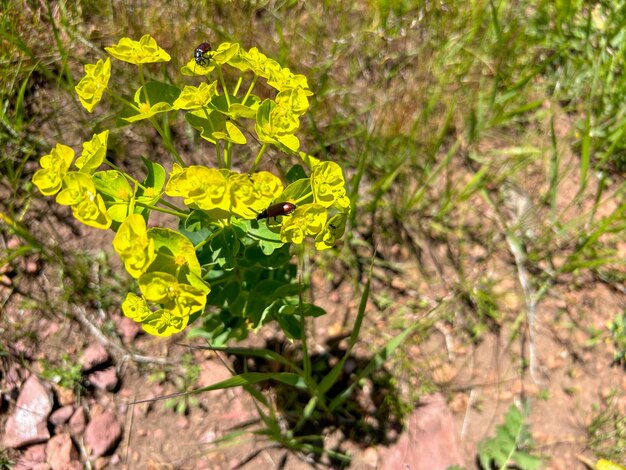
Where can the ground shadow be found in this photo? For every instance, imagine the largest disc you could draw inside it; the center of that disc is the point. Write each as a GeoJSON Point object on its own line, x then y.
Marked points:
{"type": "Point", "coordinates": [371, 416]}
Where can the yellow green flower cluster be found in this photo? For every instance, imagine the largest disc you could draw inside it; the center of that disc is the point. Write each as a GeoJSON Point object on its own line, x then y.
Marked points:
{"type": "Point", "coordinates": [314, 219]}
{"type": "Point", "coordinates": [75, 188]}
{"type": "Point", "coordinates": [276, 120]}
{"type": "Point", "coordinates": [168, 273]}
{"type": "Point", "coordinates": [222, 193]}
{"type": "Point", "coordinates": [164, 262]}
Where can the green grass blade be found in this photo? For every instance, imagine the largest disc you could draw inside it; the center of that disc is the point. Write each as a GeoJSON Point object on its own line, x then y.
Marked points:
{"type": "Point", "coordinates": [554, 170]}
{"type": "Point", "coordinates": [332, 376]}
{"type": "Point", "coordinates": [377, 361]}
{"type": "Point", "coordinates": [260, 353]}
{"type": "Point", "coordinates": [241, 380]}
{"type": "Point", "coordinates": [585, 154]}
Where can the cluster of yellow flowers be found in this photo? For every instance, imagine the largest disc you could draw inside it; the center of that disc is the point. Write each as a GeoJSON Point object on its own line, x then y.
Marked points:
{"type": "Point", "coordinates": [164, 261]}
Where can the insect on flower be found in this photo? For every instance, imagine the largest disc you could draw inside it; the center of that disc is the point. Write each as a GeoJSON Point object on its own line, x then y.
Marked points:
{"type": "Point", "coordinates": [282, 208]}
{"type": "Point", "coordinates": [200, 52]}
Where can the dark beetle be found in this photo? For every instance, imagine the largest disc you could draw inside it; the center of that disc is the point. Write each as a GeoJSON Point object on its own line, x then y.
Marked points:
{"type": "Point", "coordinates": [282, 208]}
{"type": "Point", "coordinates": [200, 52]}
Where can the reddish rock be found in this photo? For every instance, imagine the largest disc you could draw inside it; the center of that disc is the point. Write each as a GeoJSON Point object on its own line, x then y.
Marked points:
{"type": "Point", "coordinates": [128, 329]}
{"type": "Point", "coordinates": [95, 355]}
{"type": "Point", "coordinates": [65, 396]}
{"type": "Point", "coordinates": [32, 456]}
{"type": "Point", "coordinates": [40, 466]}
{"type": "Point", "coordinates": [61, 453]}
{"type": "Point", "coordinates": [105, 379]}
{"type": "Point", "coordinates": [102, 434]}
{"type": "Point", "coordinates": [429, 443]}
{"type": "Point", "coordinates": [28, 423]}
{"type": "Point", "coordinates": [78, 422]}
{"type": "Point", "coordinates": [62, 415]}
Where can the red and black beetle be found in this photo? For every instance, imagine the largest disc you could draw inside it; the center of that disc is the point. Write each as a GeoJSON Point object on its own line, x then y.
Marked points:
{"type": "Point", "coordinates": [200, 52]}
{"type": "Point", "coordinates": [281, 208]}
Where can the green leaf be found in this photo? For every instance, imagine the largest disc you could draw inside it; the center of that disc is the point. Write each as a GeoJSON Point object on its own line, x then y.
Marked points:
{"type": "Point", "coordinates": [299, 191]}
{"type": "Point", "coordinates": [296, 173]}
{"type": "Point", "coordinates": [507, 447]}
{"type": "Point", "coordinates": [266, 354]}
{"type": "Point", "coordinates": [251, 378]}
{"type": "Point", "coordinates": [159, 92]}
{"type": "Point", "coordinates": [224, 247]}
{"type": "Point", "coordinates": [155, 178]}
{"type": "Point", "coordinates": [268, 239]}
{"type": "Point", "coordinates": [290, 324]}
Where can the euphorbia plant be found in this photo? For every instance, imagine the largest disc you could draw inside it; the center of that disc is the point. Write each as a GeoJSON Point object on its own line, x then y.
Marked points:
{"type": "Point", "coordinates": [225, 265]}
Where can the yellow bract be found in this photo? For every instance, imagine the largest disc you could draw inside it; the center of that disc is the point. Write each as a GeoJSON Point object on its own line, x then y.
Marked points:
{"type": "Point", "coordinates": [92, 86]}
{"type": "Point", "coordinates": [164, 323]}
{"type": "Point", "coordinates": [333, 231]}
{"type": "Point", "coordinates": [135, 307]}
{"type": "Point", "coordinates": [49, 179]}
{"type": "Point", "coordinates": [224, 52]}
{"type": "Point", "coordinates": [206, 188]}
{"type": "Point", "coordinates": [328, 185]}
{"type": "Point", "coordinates": [133, 245]}
{"type": "Point", "coordinates": [306, 221]}
{"type": "Point", "coordinates": [179, 299]}
{"type": "Point", "coordinates": [294, 99]}
{"type": "Point", "coordinates": [79, 192]}
{"type": "Point", "coordinates": [196, 97]}
{"type": "Point", "coordinates": [144, 51]}
{"type": "Point", "coordinates": [94, 153]}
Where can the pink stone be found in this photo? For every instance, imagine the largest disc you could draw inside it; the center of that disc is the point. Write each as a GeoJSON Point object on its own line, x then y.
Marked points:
{"type": "Point", "coordinates": [61, 453]}
{"type": "Point", "coordinates": [429, 443]}
{"type": "Point", "coordinates": [103, 433]}
{"type": "Point", "coordinates": [105, 379]}
{"type": "Point", "coordinates": [32, 456]}
{"type": "Point", "coordinates": [61, 415]}
{"type": "Point", "coordinates": [95, 355]}
{"type": "Point", "coordinates": [127, 328]}
{"type": "Point", "coordinates": [78, 421]}
{"type": "Point", "coordinates": [28, 423]}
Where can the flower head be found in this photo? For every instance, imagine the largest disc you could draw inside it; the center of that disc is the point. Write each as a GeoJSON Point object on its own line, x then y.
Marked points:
{"type": "Point", "coordinates": [133, 245]}
{"type": "Point", "coordinates": [180, 299]}
{"type": "Point", "coordinates": [207, 188]}
{"type": "Point", "coordinates": [135, 307]}
{"type": "Point", "coordinates": [329, 186]}
{"type": "Point", "coordinates": [92, 86]}
{"type": "Point", "coordinates": [94, 152]}
{"type": "Point", "coordinates": [196, 97]}
{"type": "Point", "coordinates": [306, 221]}
{"type": "Point", "coordinates": [144, 51]}
{"type": "Point", "coordinates": [333, 231]}
{"type": "Point", "coordinates": [79, 192]}
{"type": "Point", "coordinates": [54, 166]}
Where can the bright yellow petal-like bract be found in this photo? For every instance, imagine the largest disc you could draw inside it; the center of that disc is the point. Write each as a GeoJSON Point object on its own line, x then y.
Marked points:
{"type": "Point", "coordinates": [144, 51]}
{"type": "Point", "coordinates": [134, 246]}
{"type": "Point", "coordinates": [94, 152]}
{"type": "Point", "coordinates": [54, 166]}
{"type": "Point", "coordinates": [92, 86]}
{"type": "Point", "coordinates": [306, 221]}
{"type": "Point", "coordinates": [79, 192]}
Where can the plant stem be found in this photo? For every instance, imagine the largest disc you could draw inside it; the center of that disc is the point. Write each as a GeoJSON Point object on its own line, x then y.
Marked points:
{"type": "Point", "coordinates": [181, 215]}
{"type": "Point", "coordinates": [250, 88]}
{"type": "Point", "coordinates": [258, 158]}
{"type": "Point", "coordinates": [221, 76]}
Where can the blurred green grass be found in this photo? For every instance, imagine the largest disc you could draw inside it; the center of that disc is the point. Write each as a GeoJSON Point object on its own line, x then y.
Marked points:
{"type": "Point", "coordinates": [483, 141]}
